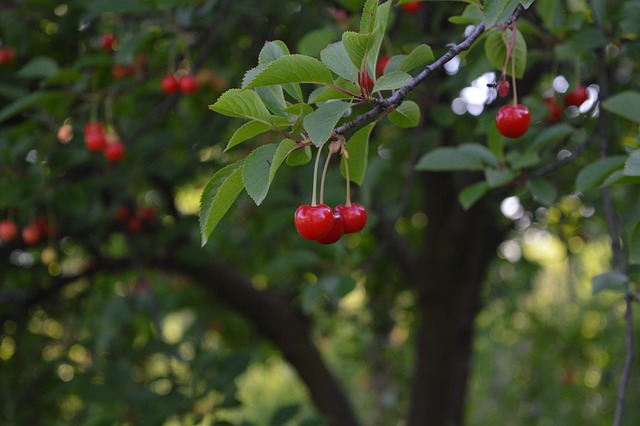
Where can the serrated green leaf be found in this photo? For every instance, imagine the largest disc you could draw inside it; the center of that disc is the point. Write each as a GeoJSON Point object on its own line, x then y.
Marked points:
{"type": "Point", "coordinates": [41, 67]}
{"type": "Point", "coordinates": [292, 69]}
{"type": "Point", "coordinates": [448, 159]}
{"type": "Point", "coordinates": [357, 46]}
{"type": "Point", "coordinates": [391, 81]}
{"type": "Point", "coordinates": [492, 11]}
{"type": "Point", "coordinates": [551, 135]}
{"type": "Point", "coordinates": [246, 132]}
{"type": "Point", "coordinates": [336, 58]}
{"type": "Point", "coordinates": [594, 173]}
{"type": "Point", "coordinates": [634, 245]}
{"type": "Point", "coordinates": [367, 20]}
{"type": "Point", "coordinates": [285, 148]}
{"type": "Point", "coordinates": [542, 191]}
{"type": "Point", "coordinates": [498, 177]}
{"type": "Point", "coordinates": [632, 165]}
{"type": "Point", "coordinates": [358, 149]}
{"type": "Point", "coordinates": [406, 115]}
{"type": "Point", "coordinates": [299, 157]}
{"type": "Point", "coordinates": [496, 51]}
{"type": "Point", "coordinates": [218, 196]}
{"type": "Point", "coordinates": [472, 193]}
{"type": "Point", "coordinates": [242, 104]}
{"type": "Point", "coordinates": [625, 105]}
{"type": "Point", "coordinates": [320, 123]}
{"type": "Point", "coordinates": [418, 57]}
{"type": "Point", "coordinates": [613, 281]}
{"type": "Point", "coordinates": [256, 172]}
{"type": "Point", "coordinates": [271, 51]}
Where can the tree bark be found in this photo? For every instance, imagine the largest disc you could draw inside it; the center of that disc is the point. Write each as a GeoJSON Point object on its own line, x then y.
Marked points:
{"type": "Point", "coordinates": [448, 276]}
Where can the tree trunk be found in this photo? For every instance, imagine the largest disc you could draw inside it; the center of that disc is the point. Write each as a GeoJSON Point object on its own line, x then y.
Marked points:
{"type": "Point", "coordinates": [448, 276]}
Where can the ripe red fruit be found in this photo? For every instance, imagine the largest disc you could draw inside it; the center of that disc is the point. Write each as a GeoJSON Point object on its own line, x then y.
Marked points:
{"type": "Point", "coordinates": [121, 71]}
{"type": "Point", "coordinates": [577, 96]}
{"type": "Point", "coordinates": [313, 222]}
{"type": "Point", "coordinates": [169, 84]}
{"type": "Point", "coordinates": [95, 141]}
{"type": "Point", "coordinates": [31, 234]}
{"type": "Point", "coordinates": [8, 230]}
{"type": "Point", "coordinates": [147, 214]}
{"type": "Point", "coordinates": [7, 55]}
{"type": "Point", "coordinates": [382, 64]}
{"type": "Point", "coordinates": [122, 213]}
{"type": "Point", "coordinates": [107, 41]}
{"type": "Point", "coordinates": [44, 226]}
{"type": "Point", "coordinates": [411, 7]}
{"type": "Point", "coordinates": [335, 232]}
{"type": "Point", "coordinates": [555, 112]}
{"type": "Point", "coordinates": [134, 225]}
{"type": "Point", "coordinates": [354, 217]}
{"type": "Point", "coordinates": [513, 120]}
{"type": "Point", "coordinates": [114, 151]}
{"type": "Point", "coordinates": [364, 81]}
{"type": "Point", "coordinates": [188, 84]}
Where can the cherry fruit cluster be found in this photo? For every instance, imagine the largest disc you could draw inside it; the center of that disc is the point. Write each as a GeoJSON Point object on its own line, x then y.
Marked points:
{"type": "Point", "coordinates": [97, 139]}
{"type": "Point", "coordinates": [325, 225]}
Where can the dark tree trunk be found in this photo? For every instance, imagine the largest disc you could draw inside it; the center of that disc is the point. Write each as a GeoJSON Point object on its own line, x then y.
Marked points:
{"type": "Point", "coordinates": [448, 276]}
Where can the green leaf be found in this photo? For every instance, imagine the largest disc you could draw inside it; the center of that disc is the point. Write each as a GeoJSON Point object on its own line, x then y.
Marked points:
{"type": "Point", "coordinates": [499, 177]}
{"type": "Point", "coordinates": [495, 142]}
{"type": "Point", "coordinates": [218, 196]}
{"type": "Point", "coordinates": [594, 173]}
{"type": "Point", "coordinates": [285, 148]}
{"type": "Point", "coordinates": [521, 160]}
{"type": "Point", "coordinates": [320, 123]}
{"type": "Point", "coordinates": [496, 50]}
{"type": "Point", "coordinates": [632, 165]}
{"type": "Point", "coordinates": [292, 69]}
{"type": "Point", "coordinates": [613, 281]}
{"type": "Point", "coordinates": [325, 93]}
{"type": "Point", "coordinates": [246, 132]}
{"type": "Point", "coordinates": [242, 104]}
{"type": "Point", "coordinates": [357, 46]}
{"type": "Point", "coordinates": [448, 159]}
{"type": "Point", "coordinates": [618, 178]}
{"type": "Point", "coordinates": [480, 152]}
{"type": "Point", "coordinates": [271, 51]}
{"type": "Point", "coordinates": [41, 67]}
{"type": "Point", "coordinates": [256, 172]}
{"type": "Point", "coordinates": [358, 149]}
{"type": "Point", "coordinates": [634, 245]}
{"type": "Point", "coordinates": [542, 191]}
{"type": "Point", "coordinates": [314, 41]}
{"type": "Point", "coordinates": [551, 135]}
{"type": "Point", "coordinates": [406, 115]}
{"type": "Point", "coordinates": [20, 105]}
{"type": "Point", "coordinates": [471, 194]}
{"type": "Point", "coordinates": [391, 81]}
{"type": "Point", "coordinates": [492, 11]}
{"type": "Point", "coordinates": [625, 105]}
{"type": "Point", "coordinates": [417, 58]}
{"type": "Point", "coordinates": [299, 157]}
{"type": "Point", "coordinates": [336, 58]}
{"type": "Point", "coordinates": [284, 414]}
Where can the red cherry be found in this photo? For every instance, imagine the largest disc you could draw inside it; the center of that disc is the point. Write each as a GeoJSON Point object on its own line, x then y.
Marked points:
{"type": "Point", "coordinates": [147, 214]}
{"type": "Point", "coordinates": [354, 217]}
{"type": "Point", "coordinates": [95, 141]}
{"type": "Point", "coordinates": [382, 64]}
{"type": "Point", "coordinates": [503, 88]}
{"type": "Point", "coordinates": [411, 7]}
{"type": "Point", "coordinates": [122, 213]}
{"type": "Point", "coordinates": [93, 127]}
{"type": "Point", "coordinates": [44, 226]}
{"type": "Point", "coordinates": [107, 41]}
{"type": "Point", "coordinates": [555, 112]}
{"type": "Point", "coordinates": [364, 81]}
{"type": "Point", "coordinates": [8, 230]}
{"type": "Point", "coordinates": [134, 225]}
{"type": "Point", "coordinates": [7, 55]}
{"type": "Point", "coordinates": [577, 96]}
{"type": "Point", "coordinates": [31, 234]}
{"type": "Point", "coordinates": [114, 151]}
{"type": "Point", "coordinates": [121, 71]}
{"type": "Point", "coordinates": [513, 120]}
{"type": "Point", "coordinates": [188, 84]}
{"type": "Point", "coordinates": [169, 84]}
{"type": "Point", "coordinates": [313, 222]}
{"type": "Point", "coordinates": [335, 232]}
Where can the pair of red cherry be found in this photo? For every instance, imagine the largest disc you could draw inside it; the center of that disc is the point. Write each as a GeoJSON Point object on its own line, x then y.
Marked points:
{"type": "Point", "coordinates": [325, 225]}
{"type": "Point", "coordinates": [96, 139]}
{"type": "Point", "coordinates": [186, 84]}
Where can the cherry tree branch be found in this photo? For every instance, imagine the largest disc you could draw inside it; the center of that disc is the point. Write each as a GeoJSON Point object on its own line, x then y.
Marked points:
{"type": "Point", "coordinates": [393, 101]}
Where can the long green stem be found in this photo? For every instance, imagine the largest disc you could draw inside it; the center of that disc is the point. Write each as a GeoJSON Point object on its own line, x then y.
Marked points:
{"type": "Point", "coordinates": [324, 176]}
{"type": "Point", "coordinates": [346, 172]}
{"type": "Point", "coordinates": [513, 64]}
{"type": "Point", "coordinates": [315, 178]}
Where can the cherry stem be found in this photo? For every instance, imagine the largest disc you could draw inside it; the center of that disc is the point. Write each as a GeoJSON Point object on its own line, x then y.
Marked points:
{"type": "Point", "coordinates": [315, 178]}
{"type": "Point", "coordinates": [513, 64]}
{"type": "Point", "coordinates": [346, 172]}
{"type": "Point", "coordinates": [324, 175]}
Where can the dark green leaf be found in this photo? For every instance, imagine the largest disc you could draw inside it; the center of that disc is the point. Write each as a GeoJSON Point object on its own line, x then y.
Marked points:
{"type": "Point", "coordinates": [320, 123]}
{"type": "Point", "coordinates": [406, 115]}
{"type": "Point", "coordinates": [613, 281]}
{"type": "Point", "coordinates": [358, 149]}
{"type": "Point", "coordinates": [625, 105]}
{"type": "Point", "coordinates": [471, 194]}
{"type": "Point", "coordinates": [292, 69]}
{"type": "Point", "coordinates": [496, 51]}
{"type": "Point", "coordinates": [256, 172]}
{"type": "Point", "coordinates": [632, 165]}
{"type": "Point", "coordinates": [542, 191]}
{"type": "Point", "coordinates": [594, 173]}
